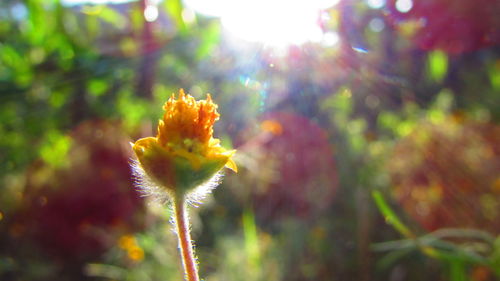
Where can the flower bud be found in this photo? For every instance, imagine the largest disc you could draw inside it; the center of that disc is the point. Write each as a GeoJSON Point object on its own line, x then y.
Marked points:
{"type": "Point", "coordinates": [184, 154]}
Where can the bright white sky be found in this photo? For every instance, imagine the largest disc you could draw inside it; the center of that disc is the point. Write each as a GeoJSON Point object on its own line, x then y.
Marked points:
{"type": "Point", "coordinates": [276, 23]}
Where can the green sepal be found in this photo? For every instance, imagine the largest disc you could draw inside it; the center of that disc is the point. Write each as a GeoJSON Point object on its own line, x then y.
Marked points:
{"type": "Point", "coordinates": [175, 173]}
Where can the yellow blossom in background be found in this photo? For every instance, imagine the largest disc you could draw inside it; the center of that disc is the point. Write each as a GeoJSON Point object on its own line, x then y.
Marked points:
{"type": "Point", "coordinates": [184, 154]}
{"type": "Point", "coordinates": [129, 244]}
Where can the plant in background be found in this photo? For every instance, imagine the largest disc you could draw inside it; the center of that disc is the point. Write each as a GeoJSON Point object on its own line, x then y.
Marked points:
{"type": "Point", "coordinates": [471, 25]}
{"type": "Point", "coordinates": [182, 163]}
{"type": "Point", "coordinates": [291, 179]}
{"type": "Point", "coordinates": [444, 174]}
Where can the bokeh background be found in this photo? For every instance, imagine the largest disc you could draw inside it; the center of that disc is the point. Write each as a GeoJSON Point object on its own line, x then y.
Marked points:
{"type": "Point", "coordinates": [367, 132]}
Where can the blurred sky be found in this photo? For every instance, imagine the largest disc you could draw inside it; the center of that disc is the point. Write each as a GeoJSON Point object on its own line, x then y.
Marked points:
{"type": "Point", "coordinates": [280, 23]}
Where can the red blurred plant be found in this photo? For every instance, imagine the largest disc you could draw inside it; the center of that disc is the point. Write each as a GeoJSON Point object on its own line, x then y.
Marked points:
{"type": "Point", "coordinates": [446, 174]}
{"type": "Point", "coordinates": [78, 211]}
{"type": "Point", "coordinates": [291, 164]}
{"type": "Point", "coordinates": [455, 26]}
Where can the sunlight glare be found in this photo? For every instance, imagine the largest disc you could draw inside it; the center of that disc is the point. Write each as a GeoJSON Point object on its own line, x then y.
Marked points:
{"type": "Point", "coordinates": [404, 6]}
{"type": "Point", "coordinates": [375, 4]}
{"type": "Point", "coordinates": [376, 24]}
{"type": "Point", "coordinates": [276, 23]}
{"type": "Point", "coordinates": [151, 13]}
{"type": "Point", "coordinates": [330, 39]}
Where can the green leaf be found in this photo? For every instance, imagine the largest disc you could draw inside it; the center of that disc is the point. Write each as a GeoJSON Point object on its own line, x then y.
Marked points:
{"type": "Point", "coordinates": [388, 120]}
{"type": "Point", "coordinates": [494, 75]}
{"type": "Point", "coordinates": [495, 256]}
{"type": "Point", "coordinates": [174, 8]}
{"type": "Point", "coordinates": [251, 239]}
{"type": "Point", "coordinates": [132, 110]}
{"type": "Point", "coordinates": [113, 17]}
{"type": "Point", "coordinates": [97, 87]}
{"type": "Point", "coordinates": [437, 65]}
{"type": "Point", "coordinates": [58, 98]}
{"type": "Point", "coordinates": [457, 271]}
{"type": "Point", "coordinates": [55, 148]}
{"type": "Point", "coordinates": [341, 102]}
{"type": "Point", "coordinates": [10, 57]}
{"type": "Point", "coordinates": [209, 39]}
{"type": "Point", "coordinates": [389, 215]}
{"type": "Point", "coordinates": [37, 22]}
{"type": "Point", "coordinates": [444, 100]}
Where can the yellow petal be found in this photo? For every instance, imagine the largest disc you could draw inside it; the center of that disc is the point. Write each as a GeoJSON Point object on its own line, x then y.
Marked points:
{"type": "Point", "coordinates": [232, 165]}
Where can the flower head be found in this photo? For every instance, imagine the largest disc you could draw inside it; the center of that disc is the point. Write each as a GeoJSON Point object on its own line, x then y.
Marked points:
{"type": "Point", "coordinates": [184, 154]}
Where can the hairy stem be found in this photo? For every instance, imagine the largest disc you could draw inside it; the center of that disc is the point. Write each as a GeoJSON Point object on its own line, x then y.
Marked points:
{"type": "Point", "coordinates": [185, 246]}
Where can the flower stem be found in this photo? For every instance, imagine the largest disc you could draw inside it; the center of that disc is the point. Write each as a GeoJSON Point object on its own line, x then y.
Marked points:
{"type": "Point", "coordinates": [186, 248]}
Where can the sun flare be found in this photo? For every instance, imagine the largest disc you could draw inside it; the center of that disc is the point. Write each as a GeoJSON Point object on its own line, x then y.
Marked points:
{"type": "Point", "coordinates": [276, 23]}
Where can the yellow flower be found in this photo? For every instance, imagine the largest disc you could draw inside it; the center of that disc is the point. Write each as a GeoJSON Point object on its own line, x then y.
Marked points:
{"type": "Point", "coordinates": [184, 154]}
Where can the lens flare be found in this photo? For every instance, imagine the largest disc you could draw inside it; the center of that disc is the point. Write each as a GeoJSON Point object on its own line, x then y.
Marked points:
{"type": "Point", "coordinates": [276, 23]}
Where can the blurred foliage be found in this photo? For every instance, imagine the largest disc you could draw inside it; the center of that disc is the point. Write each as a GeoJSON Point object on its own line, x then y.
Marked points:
{"type": "Point", "coordinates": [319, 129]}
